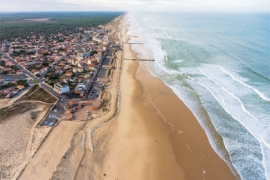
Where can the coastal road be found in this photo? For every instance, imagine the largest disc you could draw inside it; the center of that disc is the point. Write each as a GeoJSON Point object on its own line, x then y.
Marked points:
{"type": "Point", "coordinates": [94, 78]}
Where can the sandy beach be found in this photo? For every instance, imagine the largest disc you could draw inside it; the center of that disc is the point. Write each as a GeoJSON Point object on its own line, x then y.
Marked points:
{"type": "Point", "coordinates": [155, 136]}
{"type": "Point", "coordinates": [148, 133]}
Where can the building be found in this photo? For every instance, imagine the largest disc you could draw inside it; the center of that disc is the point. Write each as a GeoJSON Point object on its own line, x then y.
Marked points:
{"type": "Point", "coordinates": [20, 87]}
{"type": "Point", "coordinates": [98, 57]}
{"type": "Point", "coordinates": [61, 87]}
{"type": "Point", "coordinates": [97, 39]}
{"type": "Point", "coordinates": [83, 84]}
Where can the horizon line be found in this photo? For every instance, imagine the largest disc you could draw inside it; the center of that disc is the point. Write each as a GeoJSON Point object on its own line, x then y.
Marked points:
{"type": "Point", "coordinates": [133, 11]}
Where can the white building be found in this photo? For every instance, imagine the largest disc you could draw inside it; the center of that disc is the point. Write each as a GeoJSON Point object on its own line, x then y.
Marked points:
{"type": "Point", "coordinates": [83, 84]}
{"type": "Point", "coordinates": [61, 87]}
{"type": "Point", "coordinates": [97, 39]}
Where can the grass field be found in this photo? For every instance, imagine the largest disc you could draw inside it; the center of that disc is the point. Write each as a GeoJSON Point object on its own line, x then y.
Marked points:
{"type": "Point", "coordinates": [38, 94]}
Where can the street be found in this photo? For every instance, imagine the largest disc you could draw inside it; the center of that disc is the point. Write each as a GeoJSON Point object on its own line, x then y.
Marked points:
{"type": "Point", "coordinates": [25, 71]}
{"type": "Point", "coordinates": [13, 76]}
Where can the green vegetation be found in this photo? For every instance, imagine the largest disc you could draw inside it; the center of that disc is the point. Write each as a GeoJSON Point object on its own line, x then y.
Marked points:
{"type": "Point", "coordinates": [36, 81]}
{"type": "Point", "coordinates": [93, 52]}
{"type": "Point", "coordinates": [8, 85]}
{"type": "Point", "coordinates": [45, 64]}
{"type": "Point", "coordinates": [73, 74]}
{"type": "Point", "coordinates": [14, 24]}
{"type": "Point", "coordinates": [22, 82]}
{"type": "Point", "coordinates": [51, 82]}
{"type": "Point", "coordinates": [2, 63]}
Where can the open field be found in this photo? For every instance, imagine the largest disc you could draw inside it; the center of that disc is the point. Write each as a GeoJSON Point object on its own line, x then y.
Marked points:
{"type": "Point", "coordinates": [38, 94]}
{"type": "Point", "coordinates": [15, 109]}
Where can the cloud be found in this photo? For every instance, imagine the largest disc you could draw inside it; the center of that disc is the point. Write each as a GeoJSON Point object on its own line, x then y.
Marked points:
{"type": "Point", "coordinates": [134, 5]}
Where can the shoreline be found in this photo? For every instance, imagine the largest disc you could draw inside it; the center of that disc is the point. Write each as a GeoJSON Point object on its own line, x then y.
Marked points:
{"type": "Point", "coordinates": [151, 135]}
{"type": "Point", "coordinates": [148, 138]}
{"type": "Point", "coordinates": [186, 138]}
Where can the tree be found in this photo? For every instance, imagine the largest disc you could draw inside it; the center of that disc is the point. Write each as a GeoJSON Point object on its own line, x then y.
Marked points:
{"type": "Point", "coordinates": [2, 63]}
{"type": "Point", "coordinates": [14, 67]}
{"type": "Point", "coordinates": [73, 75]}
{"type": "Point", "coordinates": [45, 64]}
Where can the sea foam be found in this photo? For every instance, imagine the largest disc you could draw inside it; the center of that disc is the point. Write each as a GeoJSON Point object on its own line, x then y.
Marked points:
{"type": "Point", "coordinates": [214, 74]}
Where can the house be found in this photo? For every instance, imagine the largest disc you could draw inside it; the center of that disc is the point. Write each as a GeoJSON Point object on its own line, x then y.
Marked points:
{"type": "Point", "coordinates": [19, 71]}
{"type": "Point", "coordinates": [44, 70]}
{"type": "Point", "coordinates": [61, 87]}
{"type": "Point", "coordinates": [83, 84]}
{"type": "Point", "coordinates": [35, 72]}
{"type": "Point", "coordinates": [82, 65]}
{"type": "Point", "coordinates": [20, 87]}
{"type": "Point", "coordinates": [75, 70]}
{"type": "Point", "coordinates": [68, 73]}
{"type": "Point", "coordinates": [91, 67]}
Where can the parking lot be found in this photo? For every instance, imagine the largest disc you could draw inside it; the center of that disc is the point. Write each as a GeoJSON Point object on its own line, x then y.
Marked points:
{"type": "Point", "coordinates": [54, 114]}
{"type": "Point", "coordinates": [106, 61]}
{"type": "Point", "coordinates": [94, 94]}
{"type": "Point", "coordinates": [102, 73]}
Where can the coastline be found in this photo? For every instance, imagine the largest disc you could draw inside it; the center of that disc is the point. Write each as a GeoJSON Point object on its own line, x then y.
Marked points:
{"type": "Point", "coordinates": [157, 132]}
{"type": "Point", "coordinates": [152, 135]}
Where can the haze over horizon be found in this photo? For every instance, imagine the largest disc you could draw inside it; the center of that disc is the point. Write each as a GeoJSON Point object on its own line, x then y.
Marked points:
{"type": "Point", "coordinates": [136, 5]}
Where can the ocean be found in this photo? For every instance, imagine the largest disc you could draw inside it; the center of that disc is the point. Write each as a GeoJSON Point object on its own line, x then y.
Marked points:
{"type": "Point", "coordinates": [218, 64]}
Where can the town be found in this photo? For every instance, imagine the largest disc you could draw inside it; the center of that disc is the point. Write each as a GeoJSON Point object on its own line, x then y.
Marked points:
{"type": "Point", "coordinates": [73, 67]}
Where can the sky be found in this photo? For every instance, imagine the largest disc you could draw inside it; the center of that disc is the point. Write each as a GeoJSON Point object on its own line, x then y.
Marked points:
{"type": "Point", "coordinates": [136, 5]}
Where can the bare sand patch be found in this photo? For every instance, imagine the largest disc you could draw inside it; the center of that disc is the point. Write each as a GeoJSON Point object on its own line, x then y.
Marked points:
{"type": "Point", "coordinates": [4, 102]}
{"type": "Point", "coordinates": [20, 139]}
{"type": "Point", "coordinates": [52, 151]}
{"type": "Point", "coordinates": [38, 20]}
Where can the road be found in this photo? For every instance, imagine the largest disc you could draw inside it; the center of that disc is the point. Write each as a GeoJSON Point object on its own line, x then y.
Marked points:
{"type": "Point", "coordinates": [13, 76]}
{"type": "Point", "coordinates": [87, 96]}
{"type": "Point", "coordinates": [50, 89]}
{"type": "Point", "coordinates": [25, 71]}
